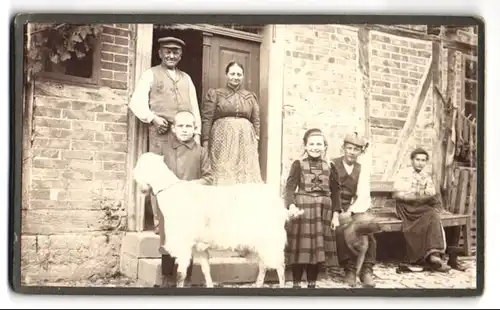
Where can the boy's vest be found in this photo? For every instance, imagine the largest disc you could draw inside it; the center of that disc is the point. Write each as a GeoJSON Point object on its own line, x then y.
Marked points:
{"type": "Point", "coordinates": [348, 182]}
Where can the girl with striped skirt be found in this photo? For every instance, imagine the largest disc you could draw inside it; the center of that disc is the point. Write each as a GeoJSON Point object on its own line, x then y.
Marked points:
{"type": "Point", "coordinates": [313, 187]}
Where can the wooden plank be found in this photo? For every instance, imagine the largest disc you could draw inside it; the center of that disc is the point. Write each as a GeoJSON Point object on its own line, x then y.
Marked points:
{"type": "Point", "coordinates": [451, 120]}
{"type": "Point", "coordinates": [463, 183]}
{"type": "Point", "coordinates": [473, 144]}
{"type": "Point", "coordinates": [415, 107]}
{"type": "Point", "coordinates": [459, 129]}
{"type": "Point", "coordinates": [273, 49]}
{"type": "Point", "coordinates": [382, 186]}
{"type": "Point", "coordinates": [364, 69]}
{"type": "Point", "coordinates": [465, 135]}
{"type": "Point", "coordinates": [392, 224]}
{"type": "Point", "coordinates": [469, 231]}
{"type": "Point", "coordinates": [454, 221]}
{"type": "Point", "coordinates": [448, 42]}
{"type": "Point", "coordinates": [438, 151]}
{"type": "Point", "coordinates": [216, 30]}
{"type": "Point", "coordinates": [471, 205]}
{"type": "Point", "coordinates": [137, 130]}
{"type": "Point", "coordinates": [27, 156]}
{"type": "Point", "coordinates": [453, 190]}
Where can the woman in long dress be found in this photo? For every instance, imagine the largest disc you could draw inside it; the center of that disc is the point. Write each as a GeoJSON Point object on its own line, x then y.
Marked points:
{"type": "Point", "coordinates": [231, 128]}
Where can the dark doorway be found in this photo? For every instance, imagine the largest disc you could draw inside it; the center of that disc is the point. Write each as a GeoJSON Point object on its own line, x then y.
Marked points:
{"type": "Point", "coordinates": [191, 63]}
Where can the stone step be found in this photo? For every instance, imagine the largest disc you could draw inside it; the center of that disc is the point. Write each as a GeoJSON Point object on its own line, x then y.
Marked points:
{"type": "Point", "coordinates": [223, 270]}
{"type": "Point", "coordinates": [145, 245]}
{"type": "Point", "coordinates": [141, 245]}
{"type": "Point", "coordinates": [140, 260]}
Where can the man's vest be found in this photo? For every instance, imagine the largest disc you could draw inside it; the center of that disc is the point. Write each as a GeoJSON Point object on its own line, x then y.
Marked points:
{"type": "Point", "coordinates": [168, 96]}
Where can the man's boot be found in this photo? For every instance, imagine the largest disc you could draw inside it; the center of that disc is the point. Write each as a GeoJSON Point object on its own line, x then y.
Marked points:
{"type": "Point", "coordinates": [349, 272]}
{"type": "Point", "coordinates": [350, 278]}
{"type": "Point", "coordinates": [366, 275]}
{"type": "Point", "coordinates": [438, 264]}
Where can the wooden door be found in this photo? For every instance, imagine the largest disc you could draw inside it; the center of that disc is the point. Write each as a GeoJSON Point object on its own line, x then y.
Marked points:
{"type": "Point", "coordinates": [218, 51]}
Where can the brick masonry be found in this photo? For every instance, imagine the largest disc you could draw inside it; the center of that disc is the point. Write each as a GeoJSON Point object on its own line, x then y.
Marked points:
{"type": "Point", "coordinates": [75, 214]}
{"type": "Point", "coordinates": [322, 88]}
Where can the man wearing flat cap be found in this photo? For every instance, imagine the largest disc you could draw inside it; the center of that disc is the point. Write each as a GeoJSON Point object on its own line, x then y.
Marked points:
{"type": "Point", "coordinates": [418, 206]}
{"type": "Point", "coordinates": [160, 93]}
{"type": "Point", "coordinates": [355, 201]}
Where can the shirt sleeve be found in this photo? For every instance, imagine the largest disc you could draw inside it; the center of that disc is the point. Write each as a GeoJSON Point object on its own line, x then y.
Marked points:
{"type": "Point", "coordinates": [207, 114]}
{"type": "Point", "coordinates": [193, 99]}
{"type": "Point", "coordinates": [139, 103]}
{"type": "Point", "coordinates": [255, 117]}
{"type": "Point", "coordinates": [206, 168]}
{"type": "Point", "coordinates": [291, 183]}
{"type": "Point", "coordinates": [335, 189]}
{"type": "Point", "coordinates": [363, 200]}
{"type": "Point", "coordinates": [403, 182]}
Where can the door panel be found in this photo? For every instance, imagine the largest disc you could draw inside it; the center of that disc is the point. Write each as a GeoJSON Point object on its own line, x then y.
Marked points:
{"type": "Point", "coordinates": [218, 51]}
{"type": "Point", "coordinates": [221, 51]}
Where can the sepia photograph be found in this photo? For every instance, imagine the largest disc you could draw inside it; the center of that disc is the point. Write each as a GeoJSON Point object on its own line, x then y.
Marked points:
{"type": "Point", "coordinates": [281, 156]}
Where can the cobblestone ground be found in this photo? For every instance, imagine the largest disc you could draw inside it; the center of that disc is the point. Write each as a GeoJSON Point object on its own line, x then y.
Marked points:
{"type": "Point", "coordinates": [385, 277]}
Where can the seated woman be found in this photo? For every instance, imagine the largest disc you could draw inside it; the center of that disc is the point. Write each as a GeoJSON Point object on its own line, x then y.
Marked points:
{"type": "Point", "coordinates": [417, 205]}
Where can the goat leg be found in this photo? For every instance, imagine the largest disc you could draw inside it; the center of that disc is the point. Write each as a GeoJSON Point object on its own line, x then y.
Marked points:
{"type": "Point", "coordinates": [281, 275]}
{"type": "Point", "coordinates": [183, 264]}
{"type": "Point", "coordinates": [205, 268]}
{"type": "Point", "coordinates": [262, 274]}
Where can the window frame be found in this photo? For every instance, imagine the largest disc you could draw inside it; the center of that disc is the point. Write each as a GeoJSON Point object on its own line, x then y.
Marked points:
{"type": "Point", "coordinates": [71, 79]}
{"type": "Point", "coordinates": [466, 80]}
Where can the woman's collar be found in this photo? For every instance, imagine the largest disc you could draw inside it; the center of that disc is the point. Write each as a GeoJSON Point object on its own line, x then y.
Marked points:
{"type": "Point", "coordinates": [234, 88]}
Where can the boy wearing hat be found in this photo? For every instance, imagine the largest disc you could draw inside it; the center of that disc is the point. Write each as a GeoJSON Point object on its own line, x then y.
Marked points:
{"type": "Point", "coordinates": [355, 201]}
{"type": "Point", "coordinates": [418, 205]}
{"type": "Point", "coordinates": [160, 93]}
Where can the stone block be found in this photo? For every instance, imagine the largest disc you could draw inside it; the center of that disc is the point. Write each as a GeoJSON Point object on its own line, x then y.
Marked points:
{"type": "Point", "coordinates": [129, 265]}
{"type": "Point", "coordinates": [141, 245]}
{"type": "Point", "coordinates": [149, 272]}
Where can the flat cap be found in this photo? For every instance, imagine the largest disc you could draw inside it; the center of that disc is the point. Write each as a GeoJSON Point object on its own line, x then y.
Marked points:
{"type": "Point", "coordinates": [171, 42]}
{"type": "Point", "coordinates": [356, 139]}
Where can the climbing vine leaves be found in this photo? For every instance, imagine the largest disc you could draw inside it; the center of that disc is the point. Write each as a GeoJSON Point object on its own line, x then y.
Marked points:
{"type": "Point", "coordinates": [57, 43]}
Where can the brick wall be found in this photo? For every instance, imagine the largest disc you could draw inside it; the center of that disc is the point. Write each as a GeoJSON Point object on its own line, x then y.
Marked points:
{"type": "Point", "coordinates": [115, 54]}
{"type": "Point", "coordinates": [72, 221]}
{"type": "Point", "coordinates": [322, 87]}
{"type": "Point", "coordinates": [397, 66]}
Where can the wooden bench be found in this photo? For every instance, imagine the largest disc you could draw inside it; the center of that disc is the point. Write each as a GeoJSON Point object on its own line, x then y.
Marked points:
{"type": "Point", "coordinates": [458, 212]}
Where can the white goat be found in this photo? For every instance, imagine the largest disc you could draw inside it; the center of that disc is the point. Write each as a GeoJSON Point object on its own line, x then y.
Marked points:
{"type": "Point", "coordinates": [198, 217]}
